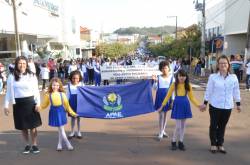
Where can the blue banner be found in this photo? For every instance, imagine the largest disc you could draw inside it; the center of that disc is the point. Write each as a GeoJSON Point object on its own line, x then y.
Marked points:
{"type": "Point", "coordinates": [116, 101]}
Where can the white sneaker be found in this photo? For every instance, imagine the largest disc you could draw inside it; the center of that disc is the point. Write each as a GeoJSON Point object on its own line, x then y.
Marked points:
{"type": "Point", "coordinates": [160, 136]}
{"type": "Point", "coordinates": [79, 135]}
{"type": "Point", "coordinates": [71, 135]}
{"type": "Point", "coordinates": [70, 148]}
{"type": "Point", "coordinates": [165, 134]}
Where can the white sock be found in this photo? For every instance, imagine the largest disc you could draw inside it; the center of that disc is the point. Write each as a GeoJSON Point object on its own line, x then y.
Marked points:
{"type": "Point", "coordinates": [182, 131]}
{"type": "Point", "coordinates": [177, 130]}
{"type": "Point", "coordinates": [164, 123]}
{"type": "Point", "coordinates": [59, 145]}
{"type": "Point", "coordinates": [161, 124]}
{"type": "Point", "coordinates": [78, 126]}
{"type": "Point", "coordinates": [64, 137]}
{"type": "Point", "coordinates": [72, 126]}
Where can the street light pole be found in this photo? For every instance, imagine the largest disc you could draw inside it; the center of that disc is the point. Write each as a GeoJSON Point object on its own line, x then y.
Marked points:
{"type": "Point", "coordinates": [203, 39]}
{"type": "Point", "coordinates": [247, 49]}
{"type": "Point", "coordinates": [17, 39]}
{"type": "Point", "coordinates": [175, 25]}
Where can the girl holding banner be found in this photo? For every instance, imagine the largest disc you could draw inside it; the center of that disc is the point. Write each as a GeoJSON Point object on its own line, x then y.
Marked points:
{"type": "Point", "coordinates": [57, 114]}
{"type": "Point", "coordinates": [181, 106]}
{"type": "Point", "coordinates": [75, 81]}
{"type": "Point", "coordinates": [162, 84]}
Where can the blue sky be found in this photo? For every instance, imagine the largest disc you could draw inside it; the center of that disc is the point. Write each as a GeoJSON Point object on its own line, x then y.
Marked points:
{"type": "Point", "coordinates": [108, 15]}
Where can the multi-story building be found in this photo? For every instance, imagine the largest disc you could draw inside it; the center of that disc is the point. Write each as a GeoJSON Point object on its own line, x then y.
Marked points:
{"type": "Point", "coordinates": [41, 23]}
{"type": "Point", "coordinates": [227, 26]}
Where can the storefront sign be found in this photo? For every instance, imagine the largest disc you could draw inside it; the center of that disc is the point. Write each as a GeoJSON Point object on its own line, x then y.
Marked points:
{"type": "Point", "coordinates": [47, 6]}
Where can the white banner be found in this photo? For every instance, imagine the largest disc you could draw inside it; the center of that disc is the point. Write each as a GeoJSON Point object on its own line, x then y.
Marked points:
{"type": "Point", "coordinates": [128, 72]}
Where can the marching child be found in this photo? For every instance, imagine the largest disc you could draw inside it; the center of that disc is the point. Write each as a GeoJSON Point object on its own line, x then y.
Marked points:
{"type": "Point", "coordinates": [181, 106]}
{"type": "Point", "coordinates": [75, 81]}
{"type": "Point", "coordinates": [162, 84]}
{"type": "Point", "coordinates": [59, 104]}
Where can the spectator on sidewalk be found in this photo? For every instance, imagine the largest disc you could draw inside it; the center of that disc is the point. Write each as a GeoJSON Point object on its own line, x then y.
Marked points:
{"type": "Point", "coordinates": [248, 74]}
{"type": "Point", "coordinates": [52, 68]}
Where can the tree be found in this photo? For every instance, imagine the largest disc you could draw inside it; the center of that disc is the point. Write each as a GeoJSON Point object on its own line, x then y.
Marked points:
{"type": "Point", "coordinates": [114, 50]}
{"type": "Point", "coordinates": [170, 47]}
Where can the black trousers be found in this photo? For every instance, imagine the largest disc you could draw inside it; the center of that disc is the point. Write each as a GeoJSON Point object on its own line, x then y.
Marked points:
{"type": "Point", "coordinates": [218, 123]}
{"type": "Point", "coordinates": [91, 76]}
{"type": "Point", "coordinates": [105, 82]}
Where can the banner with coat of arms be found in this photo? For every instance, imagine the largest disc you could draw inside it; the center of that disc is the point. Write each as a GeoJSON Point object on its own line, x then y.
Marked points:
{"type": "Point", "coordinates": [114, 102]}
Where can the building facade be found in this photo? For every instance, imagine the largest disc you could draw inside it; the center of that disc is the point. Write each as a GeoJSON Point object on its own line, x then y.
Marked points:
{"type": "Point", "coordinates": [50, 24]}
{"type": "Point", "coordinates": [227, 26]}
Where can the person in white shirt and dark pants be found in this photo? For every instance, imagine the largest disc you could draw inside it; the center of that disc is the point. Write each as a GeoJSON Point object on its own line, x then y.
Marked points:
{"type": "Point", "coordinates": [221, 92]}
{"type": "Point", "coordinates": [248, 74]}
{"type": "Point", "coordinates": [23, 93]}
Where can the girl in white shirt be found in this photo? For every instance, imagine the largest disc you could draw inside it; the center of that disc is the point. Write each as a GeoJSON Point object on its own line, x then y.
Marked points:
{"type": "Point", "coordinates": [221, 92]}
{"type": "Point", "coordinates": [162, 84]}
{"type": "Point", "coordinates": [71, 92]}
{"type": "Point", "coordinates": [23, 93]}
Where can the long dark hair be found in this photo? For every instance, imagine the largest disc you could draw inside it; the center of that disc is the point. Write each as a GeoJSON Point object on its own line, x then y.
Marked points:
{"type": "Point", "coordinates": [182, 73]}
{"type": "Point", "coordinates": [17, 71]}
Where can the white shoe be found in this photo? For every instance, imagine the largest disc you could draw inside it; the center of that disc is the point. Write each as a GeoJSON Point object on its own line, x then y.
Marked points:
{"type": "Point", "coordinates": [79, 135]}
{"type": "Point", "coordinates": [70, 148]}
{"type": "Point", "coordinates": [165, 134]}
{"type": "Point", "coordinates": [71, 135]}
{"type": "Point", "coordinates": [160, 136]}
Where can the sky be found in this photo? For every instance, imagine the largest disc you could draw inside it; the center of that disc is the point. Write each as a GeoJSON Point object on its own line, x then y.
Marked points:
{"type": "Point", "coordinates": [109, 15]}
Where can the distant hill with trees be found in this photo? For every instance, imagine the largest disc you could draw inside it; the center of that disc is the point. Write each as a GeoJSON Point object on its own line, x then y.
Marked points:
{"type": "Point", "coordinates": [147, 30]}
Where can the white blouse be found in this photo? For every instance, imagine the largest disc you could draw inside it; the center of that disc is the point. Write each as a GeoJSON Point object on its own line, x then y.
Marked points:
{"type": "Point", "coordinates": [26, 86]}
{"type": "Point", "coordinates": [222, 92]}
{"type": "Point", "coordinates": [73, 89]}
{"type": "Point", "coordinates": [164, 82]}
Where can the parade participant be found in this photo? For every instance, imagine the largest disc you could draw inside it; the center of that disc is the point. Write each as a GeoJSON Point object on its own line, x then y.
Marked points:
{"type": "Point", "coordinates": [72, 66]}
{"type": "Point", "coordinates": [83, 68]}
{"type": "Point", "coordinates": [181, 106]}
{"type": "Point", "coordinates": [106, 63]}
{"type": "Point", "coordinates": [23, 92]}
{"type": "Point", "coordinates": [71, 92]}
{"type": "Point", "coordinates": [57, 114]}
{"type": "Point", "coordinates": [162, 84]}
{"type": "Point", "coordinates": [222, 89]}
{"type": "Point", "coordinates": [90, 69]}
{"type": "Point", "coordinates": [97, 73]}
{"type": "Point", "coordinates": [248, 74]}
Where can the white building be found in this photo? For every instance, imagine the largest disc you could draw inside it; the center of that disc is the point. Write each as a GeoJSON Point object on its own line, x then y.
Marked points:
{"type": "Point", "coordinates": [228, 21]}
{"type": "Point", "coordinates": [40, 22]}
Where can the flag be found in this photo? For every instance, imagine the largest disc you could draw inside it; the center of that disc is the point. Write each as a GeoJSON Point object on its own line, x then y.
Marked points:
{"type": "Point", "coordinates": [116, 101]}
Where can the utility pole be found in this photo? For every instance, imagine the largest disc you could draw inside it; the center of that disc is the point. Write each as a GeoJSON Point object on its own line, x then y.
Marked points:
{"type": "Point", "coordinates": [202, 7]}
{"type": "Point", "coordinates": [247, 49]}
{"type": "Point", "coordinates": [17, 39]}
{"type": "Point", "coordinates": [203, 40]}
{"type": "Point", "coordinates": [175, 25]}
